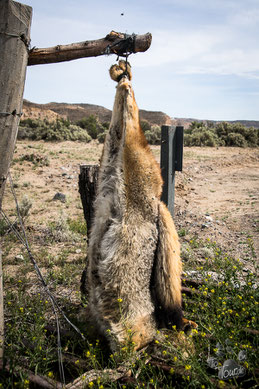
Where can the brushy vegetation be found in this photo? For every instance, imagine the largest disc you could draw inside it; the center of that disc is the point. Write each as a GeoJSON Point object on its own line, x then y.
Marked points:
{"type": "Point", "coordinates": [86, 129]}
{"type": "Point", "coordinates": [225, 307]}
{"type": "Point", "coordinates": [52, 131]}
{"type": "Point", "coordinates": [92, 125]}
{"type": "Point", "coordinates": [221, 134]}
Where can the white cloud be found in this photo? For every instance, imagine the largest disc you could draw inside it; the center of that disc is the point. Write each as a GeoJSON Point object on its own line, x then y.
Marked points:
{"type": "Point", "coordinates": [246, 18]}
{"type": "Point", "coordinates": [172, 46]}
{"type": "Point", "coordinates": [212, 50]}
{"type": "Point", "coordinates": [199, 47]}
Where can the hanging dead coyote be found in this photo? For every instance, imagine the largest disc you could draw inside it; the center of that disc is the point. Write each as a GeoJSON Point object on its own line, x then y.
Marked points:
{"type": "Point", "coordinates": [134, 255]}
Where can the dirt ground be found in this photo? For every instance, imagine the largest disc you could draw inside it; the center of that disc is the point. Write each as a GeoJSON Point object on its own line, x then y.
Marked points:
{"type": "Point", "coordinates": [217, 198]}
{"type": "Point", "coordinates": [216, 193]}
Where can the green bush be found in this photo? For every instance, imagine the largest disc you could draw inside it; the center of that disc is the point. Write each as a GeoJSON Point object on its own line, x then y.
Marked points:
{"type": "Point", "coordinates": [198, 134]}
{"type": "Point", "coordinates": [59, 130]}
{"type": "Point", "coordinates": [201, 137]}
{"type": "Point", "coordinates": [92, 125]}
{"type": "Point", "coordinates": [101, 137]}
{"type": "Point", "coordinates": [145, 126]}
{"type": "Point", "coordinates": [236, 139]}
{"type": "Point", "coordinates": [251, 135]}
{"type": "Point", "coordinates": [153, 135]}
{"type": "Point", "coordinates": [221, 134]}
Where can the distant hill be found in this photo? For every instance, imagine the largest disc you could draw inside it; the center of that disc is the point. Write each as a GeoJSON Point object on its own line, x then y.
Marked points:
{"type": "Point", "coordinates": [186, 122]}
{"type": "Point", "coordinates": [74, 112]}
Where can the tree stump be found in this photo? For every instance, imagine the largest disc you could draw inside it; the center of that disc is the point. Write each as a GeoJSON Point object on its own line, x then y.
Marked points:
{"type": "Point", "coordinates": [87, 188]}
{"type": "Point", "coordinates": [88, 178]}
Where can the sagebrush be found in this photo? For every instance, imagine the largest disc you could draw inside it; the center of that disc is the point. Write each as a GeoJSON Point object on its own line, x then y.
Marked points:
{"type": "Point", "coordinates": [86, 129]}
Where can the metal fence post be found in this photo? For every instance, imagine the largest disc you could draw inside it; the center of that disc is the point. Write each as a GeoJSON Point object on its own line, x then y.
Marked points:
{"type": "Point", "coordinates": [171, 160]}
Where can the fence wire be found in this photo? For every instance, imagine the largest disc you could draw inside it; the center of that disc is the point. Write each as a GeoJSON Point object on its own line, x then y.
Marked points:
{"type": "Point", "coordinates": [55, 305]}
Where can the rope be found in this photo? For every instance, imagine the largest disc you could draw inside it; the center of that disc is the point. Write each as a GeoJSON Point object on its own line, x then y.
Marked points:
{"type": "Point", "coordinates": [124, 47]}
{"type": "Point", "coordinates": [56, 308]}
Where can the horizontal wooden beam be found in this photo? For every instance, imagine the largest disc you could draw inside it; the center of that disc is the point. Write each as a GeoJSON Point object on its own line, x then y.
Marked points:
{"type": "Point", "coordinates": [114, 43]}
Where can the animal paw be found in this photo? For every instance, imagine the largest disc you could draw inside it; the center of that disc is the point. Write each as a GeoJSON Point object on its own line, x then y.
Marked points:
{"type": "Point", "coordinates": [120, 70]}
{"type": "Point", "coordinates": [188, 325]}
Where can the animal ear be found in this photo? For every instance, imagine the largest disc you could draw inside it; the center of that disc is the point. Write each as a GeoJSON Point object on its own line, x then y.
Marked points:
{"type": "Point", "coordinates": [120, 70]}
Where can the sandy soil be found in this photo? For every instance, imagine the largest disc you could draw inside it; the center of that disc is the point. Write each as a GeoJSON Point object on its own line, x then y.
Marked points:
{"type": "Point", "coordinates": [218, 197]}
{"type": "Point", "coordinates": [216, 193]}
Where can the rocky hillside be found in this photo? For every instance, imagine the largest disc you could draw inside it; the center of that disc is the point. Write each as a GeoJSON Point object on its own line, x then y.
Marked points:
{"type": "Point", "coordinates": [74, 112]}
{"type": "Point", "coordinates": [38, 111]}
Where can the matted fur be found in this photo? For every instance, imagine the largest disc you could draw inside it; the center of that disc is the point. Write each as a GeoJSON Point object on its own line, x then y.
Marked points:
{"type": "Point", "coordinates": [134, 261]}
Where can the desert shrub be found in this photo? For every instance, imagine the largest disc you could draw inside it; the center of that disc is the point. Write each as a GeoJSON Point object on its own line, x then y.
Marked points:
{"type": "Point", "coordinates": [31, 123]}
{"type": "Point", "coordinates": [252, 136]}
{"type": "Point", "coordinates": [209, 138]}
{"type": "Point", "coordinates": [145, 125]}
{"type": "Point", "coordinates": [221, 134]}
{"type": "Point", "coordinates": [59, 130]}
{"type": "Point", "coordinates": [26, 133]}
{"type": "Point", "coordinates": [3, 227]}
{"type": "Point", "coordinates": [198, 134]}
{"type": "Point", "coordinates": [236, 139]}
{"type": "Point", "coordinates": [106, 125]}
{"type": "Point", "coordinates": [153, 135]}
{"type": "Point", "coordinates": [101, 137]}
{"type": "Point", "coordinates": [237, 134]}
{"type": "Point", "coordinates": [77, 133]}
{"type": "Point", "coordinates": [92, 125]}
{"type": "Point", "coordinates": [61, 231]}
{"type": "Point", "coordinates": [25, 206]}
{"type": "Point", "coordinates": [222, 129]}
{"type": "Point", "coordinates": [36, 158]}
{"type": "Point", "coordinates": [201, 137]}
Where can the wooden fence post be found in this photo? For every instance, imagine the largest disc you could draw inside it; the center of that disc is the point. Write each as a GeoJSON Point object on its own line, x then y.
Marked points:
{"type": "Point", "coordinates": [87, 188]}
{"type": "Point", "coordinates": [15, 22]}
{"type": "Point", "coordinates": [171, 157]}
{"type": "Point", "coordinates": [1, 313]}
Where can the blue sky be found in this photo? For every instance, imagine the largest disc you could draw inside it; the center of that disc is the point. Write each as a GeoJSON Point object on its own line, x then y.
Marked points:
{"type": "Point", "coordinates": [203, 62]}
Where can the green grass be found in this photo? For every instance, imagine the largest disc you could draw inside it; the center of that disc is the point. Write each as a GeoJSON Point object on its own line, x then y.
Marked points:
{"type": "Point", "coordinates": [225, 310]}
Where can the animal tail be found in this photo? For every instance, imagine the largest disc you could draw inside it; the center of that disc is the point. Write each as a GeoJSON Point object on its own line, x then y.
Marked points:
{"type": "Point", "coordinates": [166, 275]}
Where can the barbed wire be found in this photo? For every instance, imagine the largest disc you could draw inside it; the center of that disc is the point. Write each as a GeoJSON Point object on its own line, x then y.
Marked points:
{"type": "Point", "coordinates": [22, 36]}
{"type": "Point", "coordinates": [55, 305]}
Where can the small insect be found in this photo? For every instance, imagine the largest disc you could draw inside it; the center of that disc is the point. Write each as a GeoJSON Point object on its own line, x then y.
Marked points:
{"type": "Point", "coordinates": [122, 14]}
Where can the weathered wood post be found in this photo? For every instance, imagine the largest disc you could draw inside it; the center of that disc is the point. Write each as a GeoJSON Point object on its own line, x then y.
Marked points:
{"type": "Point", "coordinates": [15, 22]}
{"type": "Point", "coordinates": [87, 188]}
{"type": "Point", "coordinates": [171, 160]}
{"type": "Point", "coordinates": [1, 313]}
